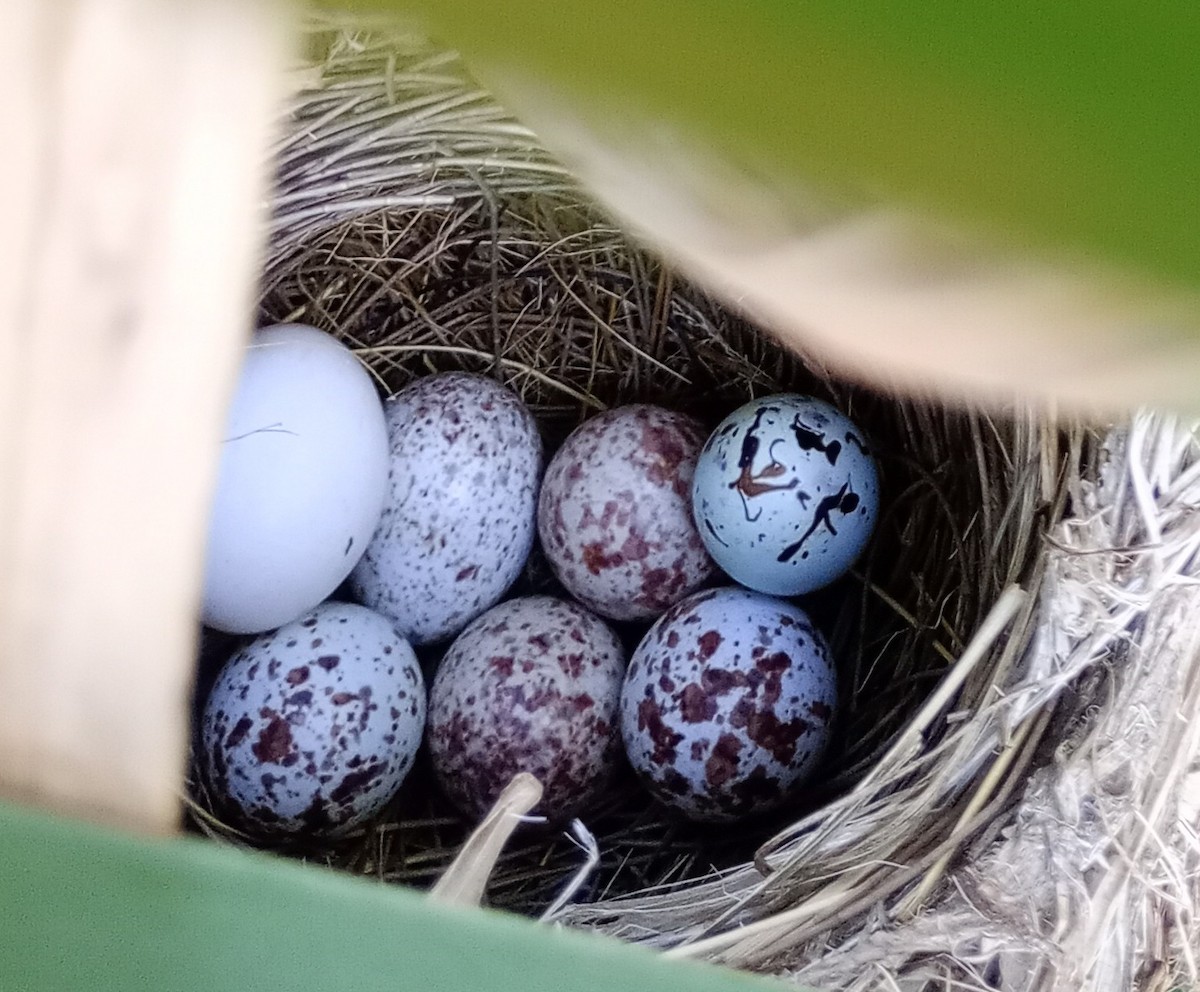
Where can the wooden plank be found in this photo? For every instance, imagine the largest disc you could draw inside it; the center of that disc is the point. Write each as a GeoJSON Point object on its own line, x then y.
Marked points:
{"type": "Point", "coordinates": [136, 132]}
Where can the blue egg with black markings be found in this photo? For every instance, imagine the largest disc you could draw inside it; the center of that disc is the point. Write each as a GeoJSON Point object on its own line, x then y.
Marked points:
{"type": "Point", "coordinates": [786, 494]}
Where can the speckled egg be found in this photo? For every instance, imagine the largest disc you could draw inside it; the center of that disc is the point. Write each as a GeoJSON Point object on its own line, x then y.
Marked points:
{"type": "Point", "coordinates": [531, 686]}
{"type": "Point", "coordinates": [615, 513]}
{"type": "Point", "coordinates": [458, 522]}
{"type": "Point", "coordinates": [311, 729]}
{"type": "Point", "coordinates": [727, 704]}
{"type": "Point", "coordinates": [786, 494]}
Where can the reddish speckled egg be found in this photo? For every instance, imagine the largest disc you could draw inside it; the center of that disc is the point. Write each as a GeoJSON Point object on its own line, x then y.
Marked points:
{"type": "Point", "coordinates": [727, 704]}
{"type": "Point", "coordinates": [615, 515]}
{"type": "Point", "coordinates": [311, 729]}
{"type": "Point", "coordinates": [531, 686]}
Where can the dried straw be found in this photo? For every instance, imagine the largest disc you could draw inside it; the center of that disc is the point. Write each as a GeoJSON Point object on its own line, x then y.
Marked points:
{"type": "Point", "coordinates": [1008, 806]}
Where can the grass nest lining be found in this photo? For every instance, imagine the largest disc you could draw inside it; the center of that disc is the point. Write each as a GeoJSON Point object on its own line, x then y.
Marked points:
{"type": "Point", "coordinates": [1011, 800]}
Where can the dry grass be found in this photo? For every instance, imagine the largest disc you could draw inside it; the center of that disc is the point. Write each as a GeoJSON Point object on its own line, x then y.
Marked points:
{"type": "Point", "coordinates": [1020, 650]}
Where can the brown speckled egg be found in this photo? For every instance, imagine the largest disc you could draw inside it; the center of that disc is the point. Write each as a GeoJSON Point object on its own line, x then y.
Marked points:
{"type": "Point", "coordinates": [311, 729]}
{"type": "Point", "coordinates": [531, 686]}
{"type": "Point", "coordinates": [727, 704]}
{"type": "Point", "coordinates": [615, 513]}
{"type": "Point", "coordinates": [458, 521]}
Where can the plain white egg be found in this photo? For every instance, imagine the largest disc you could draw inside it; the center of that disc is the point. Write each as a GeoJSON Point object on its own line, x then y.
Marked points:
{"type": "Point", "coordinates": [303, 476]}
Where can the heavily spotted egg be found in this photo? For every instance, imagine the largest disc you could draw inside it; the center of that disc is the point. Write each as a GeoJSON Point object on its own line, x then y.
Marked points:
{"type": "Point", "coordinates": [786, 494]}
{"type": "Point", "coordinates": [531, 686]}
{"type": "Point", "coordinates": [727, 704]}
{"type": "Point", "coordinates": [311, 729]}
{"type": "Point", "coordinates": [615, 512]}
{"type": "Point", "coordinates": [458, 522]}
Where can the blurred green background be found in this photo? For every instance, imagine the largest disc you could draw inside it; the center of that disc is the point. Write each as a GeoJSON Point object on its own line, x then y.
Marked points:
{"type": "Point", "coordinates": [1070, 125]}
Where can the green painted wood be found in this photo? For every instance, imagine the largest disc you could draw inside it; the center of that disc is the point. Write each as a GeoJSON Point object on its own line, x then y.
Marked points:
{"type": "Point", "coordinates": [82, 908]}
{"type": "Point", "coordinates": [1071, 125]}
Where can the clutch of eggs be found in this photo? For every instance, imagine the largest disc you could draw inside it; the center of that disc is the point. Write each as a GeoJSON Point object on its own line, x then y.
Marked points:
{"type": "Point", "coordinates": [301, 482]}
{"type": "Point", "coordinates": [432, 501]}
{"type": "Point", "coordinates": [786, 494]}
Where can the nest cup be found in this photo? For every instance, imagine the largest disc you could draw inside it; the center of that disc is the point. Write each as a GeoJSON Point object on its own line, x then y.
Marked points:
{"type": "Point", "coordinates": [1027, 591]}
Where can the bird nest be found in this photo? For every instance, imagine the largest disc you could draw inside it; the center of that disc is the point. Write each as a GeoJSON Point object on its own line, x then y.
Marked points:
{"type": "Point", "coordinates": [1011, 799]}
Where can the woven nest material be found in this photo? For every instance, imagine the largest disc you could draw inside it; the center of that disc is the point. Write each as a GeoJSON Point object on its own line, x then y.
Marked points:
{"type": "Point", "coordinates": [1012, 802]}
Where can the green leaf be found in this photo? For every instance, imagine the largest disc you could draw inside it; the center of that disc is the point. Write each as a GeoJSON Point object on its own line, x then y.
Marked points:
{"type": "Point", "coordinates": [89, 909]}
{"type": "Point", "coordinates": [1068, 125]}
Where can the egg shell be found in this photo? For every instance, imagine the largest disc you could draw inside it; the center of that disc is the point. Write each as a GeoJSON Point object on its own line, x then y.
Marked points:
{"type": "Point", "coordinates": [727, 704]}
{"type": "Point", "coordinates": [458, 521]}
{"type": "Point", "coordinates": [301, 483]}
{"type": "Point", "coordinates": [786, 494]}
{"type": "Point", "coordinates": [312, 729]}
{"type": "Point", "coordinates": [533, 685]}
{"type": "Point", "coordinates": [615, 514]}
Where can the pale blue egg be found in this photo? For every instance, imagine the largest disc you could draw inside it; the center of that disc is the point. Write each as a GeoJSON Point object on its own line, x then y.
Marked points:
{"type": "Point", "coordinates": [786, 494]}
